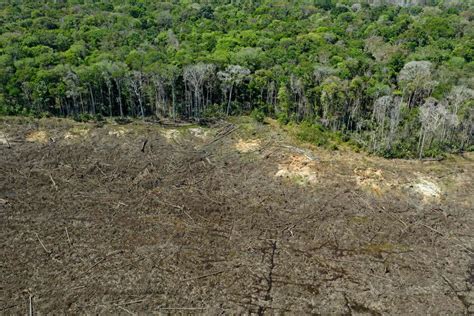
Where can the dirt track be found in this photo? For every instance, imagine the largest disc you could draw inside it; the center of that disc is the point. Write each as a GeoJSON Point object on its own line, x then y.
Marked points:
{"type": "Point", "coordinates": [236, 218]}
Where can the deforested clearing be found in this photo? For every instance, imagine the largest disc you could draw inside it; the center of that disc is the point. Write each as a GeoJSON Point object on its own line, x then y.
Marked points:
{"type": "Point", "coordinates": [239, 216]}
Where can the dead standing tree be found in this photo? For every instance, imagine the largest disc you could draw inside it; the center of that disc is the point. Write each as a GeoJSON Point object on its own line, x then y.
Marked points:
{"type": "Point", "coordinates": [458, 97]}
{"type": "Point", "coordinates": [320, 73]}
{"type": "Point", "coordinates": [379, 115]}
{"type": "Point", "coordinates": [117, 73]}
{"type": "Point", "coordinates": [71, 81]}
{"type": "Point", "coordinates": [195, 77]}
{"type": "Point", "coordinates": [416, 81]}
{"type": "Point", "coordinates": [136, 81]}
{"type": "Point", "coordinates": [105, 74]}
{"type": "Point", "coordinates": [159, 94]}
{"type": "Point", "coordinates": [232, 76]}
{"type": "Point", "coordinates": [432, 116]}
{"type": "Point", "coordinates": [395, 117]}
{"type": "Point", "coordinates": [460, 102]}
{"type": "Point", "coordinates": [297, 89]}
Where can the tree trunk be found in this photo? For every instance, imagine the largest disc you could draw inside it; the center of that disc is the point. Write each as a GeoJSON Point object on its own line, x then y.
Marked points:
{"type": "Point", "coordinates": [119, 98]}
{"type": "Point", "coordinates": [82, 102]}
{"type": "Point", "coordinates": [230, 99]}
{"type": "Point", "coordinates": [141, 107]}
{"type": "Point", "coordinates": [110, 101]}
{"type": "Point", "coordinates": [173, 93]}
{"type": "Point", "coordinates": [422, 142]}
{"type": "Point", "coordinates": [92, 100]}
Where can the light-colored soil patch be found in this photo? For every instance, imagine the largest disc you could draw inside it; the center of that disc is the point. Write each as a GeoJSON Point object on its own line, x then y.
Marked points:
{"type": "Point", "coordinates": [371, 179]}
{"type": "Point", "coordinates": [171, 134]}
{"type": "Point", "coordinates": [245, 146]}
{"type": "Point", "coordinates": [120, 132]}
{"type": "Point", "coordinates": [76, 133]}
{"type": "Point", "coordinates": [3, 139]}
{"type": "Point", "coordinates": [299, 168]}
{"type": "Point", "coordinates": [427, 189]}
{"type": "Point", "coordinates": [199, 132]}
{"type": "Point", "coordinates": [37, 137]}
{"type": "Point", "coordinates": [462, 179]}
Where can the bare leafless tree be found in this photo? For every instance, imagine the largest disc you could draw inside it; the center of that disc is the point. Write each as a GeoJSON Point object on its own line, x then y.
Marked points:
{"type": "Point", "coordinates": [298, 91]}
{"type": "Point", "coordinates": [195, 77]}
{"type": "Point", "coordinates": [416, 81]}
{"type": "Point", "coordinates": [382, 106]}
{"type": "Point", "coordinates": [432, 116]}
{"type": "Point", "coordinates": [232, 76]}
{"type": "Point", "coordinates": [135, 81]}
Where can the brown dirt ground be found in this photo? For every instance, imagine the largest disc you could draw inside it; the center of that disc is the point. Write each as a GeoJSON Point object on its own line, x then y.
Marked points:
{"type": "Point", "coordinates": [145, 219]}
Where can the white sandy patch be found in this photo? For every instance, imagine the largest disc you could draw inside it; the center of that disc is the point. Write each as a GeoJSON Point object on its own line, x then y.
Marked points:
{"type": "Point", "coordinates": [118, 132]}
{"type": "Point", "coordinates": [199, 132]}
{"type": "Point", "coordinates": [427, 189]}
{"type": "Point", "coordinates": [245, 146]}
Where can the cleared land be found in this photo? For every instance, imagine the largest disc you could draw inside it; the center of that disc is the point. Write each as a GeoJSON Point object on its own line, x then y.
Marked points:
{"type": "Point", "coordinates": [235, 218]}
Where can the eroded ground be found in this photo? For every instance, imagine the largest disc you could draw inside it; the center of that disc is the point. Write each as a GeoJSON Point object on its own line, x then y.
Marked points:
{"type": "Point", "coordinates": [236, 218]}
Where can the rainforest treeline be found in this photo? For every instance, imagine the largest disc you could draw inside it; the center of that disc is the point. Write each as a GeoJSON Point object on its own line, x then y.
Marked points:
{"type": "Point", "coordinates": [397, 81]}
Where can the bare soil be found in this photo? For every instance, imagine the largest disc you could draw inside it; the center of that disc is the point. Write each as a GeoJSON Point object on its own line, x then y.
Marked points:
{"type": "Point", "coordinates": [237, 218]}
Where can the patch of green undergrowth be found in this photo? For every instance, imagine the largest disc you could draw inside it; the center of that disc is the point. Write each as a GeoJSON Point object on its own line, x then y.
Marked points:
{"type": "Point", "coordinates": [318, 135]}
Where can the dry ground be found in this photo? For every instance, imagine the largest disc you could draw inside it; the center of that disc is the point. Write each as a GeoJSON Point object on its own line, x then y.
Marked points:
{"type": "Point", "coordinates": [238, 218]}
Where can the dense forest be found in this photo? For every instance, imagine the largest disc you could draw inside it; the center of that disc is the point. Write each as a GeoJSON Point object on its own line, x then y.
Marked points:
{"type": "Point", "coordinates": [394, 80]}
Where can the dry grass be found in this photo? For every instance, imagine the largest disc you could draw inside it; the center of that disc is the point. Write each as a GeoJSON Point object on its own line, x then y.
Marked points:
{"type": "Point", "coordinates": [37, 137]}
